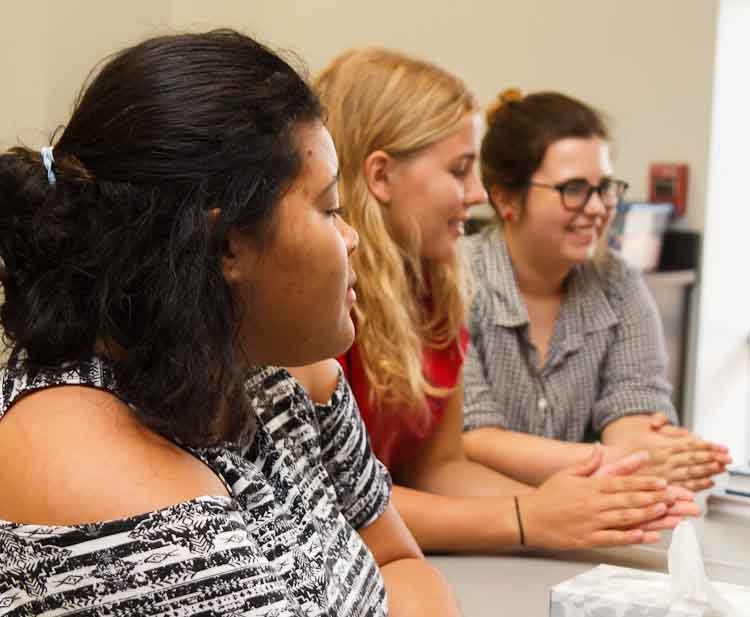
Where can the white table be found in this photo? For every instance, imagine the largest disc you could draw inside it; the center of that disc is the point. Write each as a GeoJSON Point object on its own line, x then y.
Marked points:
{"type": "Point", "coordinates": [518, 585]}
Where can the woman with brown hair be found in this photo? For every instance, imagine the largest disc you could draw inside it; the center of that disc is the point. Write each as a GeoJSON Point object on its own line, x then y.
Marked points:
{"type": "Point", "coordinates": [565, 340]}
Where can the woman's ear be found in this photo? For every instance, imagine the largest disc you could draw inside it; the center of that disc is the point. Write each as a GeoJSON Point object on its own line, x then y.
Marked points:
{"type": "Point", "coordinates": [229, 248]}
{"type": "Point", "coordinates": [505, 203]}
{"type": "Point", "coordinates": [378, 170]}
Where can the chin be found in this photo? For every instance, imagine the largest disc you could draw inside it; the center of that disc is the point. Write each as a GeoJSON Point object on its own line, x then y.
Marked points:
{"type": "Point", "coordinates": [442, 255]}
{"type": "Point", "coordinates": [576, 256]}
{"type": "Point", "coordinates": [344, 338]}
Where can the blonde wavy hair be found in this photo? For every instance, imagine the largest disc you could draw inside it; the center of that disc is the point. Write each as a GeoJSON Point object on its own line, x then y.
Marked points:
{"type": "Point", "coordinates": [377, 99]}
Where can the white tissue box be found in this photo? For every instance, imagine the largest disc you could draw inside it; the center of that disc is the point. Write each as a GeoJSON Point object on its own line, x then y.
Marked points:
{"type": "Point", "coordinates": [610, 591]}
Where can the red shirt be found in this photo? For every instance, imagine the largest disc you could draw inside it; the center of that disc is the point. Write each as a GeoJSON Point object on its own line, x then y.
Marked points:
{"type": "Point", "coordinates": [397, 435]}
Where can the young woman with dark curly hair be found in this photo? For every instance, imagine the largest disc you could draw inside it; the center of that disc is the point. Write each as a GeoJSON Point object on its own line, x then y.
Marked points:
{"type": "Point", "coordinates": [182, 234]}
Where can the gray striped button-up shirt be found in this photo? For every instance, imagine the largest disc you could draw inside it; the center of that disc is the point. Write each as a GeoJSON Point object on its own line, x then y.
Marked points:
{"type": "Point", "coordinates": [607, 357]}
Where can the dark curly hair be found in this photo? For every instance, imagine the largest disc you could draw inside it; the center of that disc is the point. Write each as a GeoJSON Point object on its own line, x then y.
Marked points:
{"type": "Point", "coordinates": [120, 250]}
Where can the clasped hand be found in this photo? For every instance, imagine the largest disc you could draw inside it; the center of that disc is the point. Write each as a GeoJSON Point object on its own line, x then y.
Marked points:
{"type": "Point", "coordinates": [681, 457]}
{"type": "Point", "coordinates": [597, 505]}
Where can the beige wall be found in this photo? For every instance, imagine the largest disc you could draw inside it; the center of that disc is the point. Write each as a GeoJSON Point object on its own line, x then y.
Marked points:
{"type": "Point", "coordinates": [48, 49]}
{"type": "Point", "coordinates": [647, 63]}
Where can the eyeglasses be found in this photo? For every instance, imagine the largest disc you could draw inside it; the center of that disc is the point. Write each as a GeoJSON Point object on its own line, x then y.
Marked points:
{"type": "Point", "coordinates": [575, 193]}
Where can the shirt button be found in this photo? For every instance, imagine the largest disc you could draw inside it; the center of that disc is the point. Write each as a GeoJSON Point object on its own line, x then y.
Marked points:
{"type": "Point", "coordinates": [542, 404]}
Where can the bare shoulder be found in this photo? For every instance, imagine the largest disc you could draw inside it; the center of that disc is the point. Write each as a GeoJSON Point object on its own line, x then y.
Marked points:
{"type": "Point", "coordinates": [319, 380]}
{"type": "Point", "coordinates": [74, 454]}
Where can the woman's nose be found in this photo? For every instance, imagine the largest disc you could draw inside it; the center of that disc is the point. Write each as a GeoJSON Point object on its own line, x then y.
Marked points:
{"type": "Point", "coordinates": [475, 194]}
{"type": "Point", "coordinates": [351, 237]}
{"type": "Point", "coordinates": [595, 206]}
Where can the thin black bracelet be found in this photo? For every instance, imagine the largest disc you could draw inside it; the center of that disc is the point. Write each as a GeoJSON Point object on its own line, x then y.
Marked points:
{"type": "Point", "coordinates": [520, 524]}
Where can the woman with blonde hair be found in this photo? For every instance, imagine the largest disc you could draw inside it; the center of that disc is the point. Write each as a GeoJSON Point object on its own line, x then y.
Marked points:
{"type": "Point", "coordinates": [565, 338]}
{"type": "Point", "coordinates": [407, 134]}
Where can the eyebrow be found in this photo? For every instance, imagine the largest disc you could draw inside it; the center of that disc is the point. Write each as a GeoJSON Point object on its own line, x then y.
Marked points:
{"type": "Point", "coordinates": [330, 185]}
{"type": "Point", "coordinates": [582, 179]}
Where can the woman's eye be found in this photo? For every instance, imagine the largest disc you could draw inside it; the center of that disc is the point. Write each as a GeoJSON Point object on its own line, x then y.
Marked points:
{"type": "Point", "coordinates": [576, 189]}
{"type": "Point", "coordinates": [460, 172]}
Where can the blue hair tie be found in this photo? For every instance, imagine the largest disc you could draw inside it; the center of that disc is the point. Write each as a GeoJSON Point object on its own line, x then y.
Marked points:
{"type": "Point", "coordinates": [48, 159]}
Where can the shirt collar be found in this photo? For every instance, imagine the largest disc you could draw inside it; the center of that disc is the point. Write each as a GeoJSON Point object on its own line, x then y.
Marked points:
{"type": "Point", "coordinates": [585, 309]}
{"type": "Point", "coordinates": [508, 308]}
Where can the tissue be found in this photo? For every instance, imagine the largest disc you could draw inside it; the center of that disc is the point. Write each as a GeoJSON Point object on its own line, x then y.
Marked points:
{"type": "Point", "coordinates": [612, 591]}
{"type": "Point", "coordinates": [689, 584]}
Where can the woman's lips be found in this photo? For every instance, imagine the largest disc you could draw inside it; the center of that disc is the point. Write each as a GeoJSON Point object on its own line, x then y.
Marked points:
{"type": "Point", "coordinates": [585, 235]}
{"type": "Point", "coordinates": [351, 295]}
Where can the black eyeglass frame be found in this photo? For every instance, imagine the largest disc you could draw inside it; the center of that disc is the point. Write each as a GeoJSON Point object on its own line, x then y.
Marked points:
{"type": "Point", "coordinates": [561, 186]}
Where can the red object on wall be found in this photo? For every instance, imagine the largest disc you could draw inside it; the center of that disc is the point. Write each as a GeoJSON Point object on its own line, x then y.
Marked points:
{"type": "Point", "coordinates": [668, 182]}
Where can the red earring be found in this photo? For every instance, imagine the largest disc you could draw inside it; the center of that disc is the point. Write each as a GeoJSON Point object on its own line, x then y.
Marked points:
{"type": "Point", "coordinates": [508, 216]}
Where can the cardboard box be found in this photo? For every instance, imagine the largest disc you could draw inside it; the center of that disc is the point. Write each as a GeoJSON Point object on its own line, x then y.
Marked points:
{"type": "Point", "coordinates": [610, 591]}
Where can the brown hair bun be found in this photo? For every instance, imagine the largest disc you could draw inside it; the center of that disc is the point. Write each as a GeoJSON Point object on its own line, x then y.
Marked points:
{"type": "Point", "coordinates": [509, 95]}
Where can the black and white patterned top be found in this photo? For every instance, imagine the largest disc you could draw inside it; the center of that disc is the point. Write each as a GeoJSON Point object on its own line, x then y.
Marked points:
{"type": "Point", "coordinates": [284, 542]}
{"type": "Point", "coordinates": [607, 356]}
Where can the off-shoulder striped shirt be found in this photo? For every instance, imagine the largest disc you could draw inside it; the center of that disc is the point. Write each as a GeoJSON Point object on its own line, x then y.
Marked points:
{"type": "Point", "coordinates": [284, 543]}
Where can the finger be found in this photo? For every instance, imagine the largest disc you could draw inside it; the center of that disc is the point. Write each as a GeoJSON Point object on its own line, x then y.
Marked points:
{"type": "Point", "coordinates": [694, 472]}
{"type": "Point", "coordinates": [651, 537]}
{"type": "Point", "coordinates": [662, 524]}
{"type": "Point", "coordinates": [723, 457]}
{"type": "Point", "coordinates": [606, 470]}
{"type": "Point", "coordinates": [630, 484]}
{"type": "Point", "coordinates": [693, 457]}
{"type": "Point", "coordinates": [670, 495]}
{"type": "Point", "coordinates": [613, 537]}
{"type": "Point", "coordinates": [634, 500]}
{"type": "Point", "coordinates": [683, 508]}
{"type": "Point", "coordinates": [658, 420]}
{"type": "Point", "coordinates": [697, 485]}
{"type": "Point", "coordinates": [625, 466]}
{"type": "Point", "coordinates": [589, 466]}
{"type": "Point", "coordinates": [692, 441]}
{"type": "Point", "coordinates": [689, 444]}
{"type": "Point", "coordinates": [676, 464]}
{"type": "Point", "coordinates": [680, 493]}
{"type": "Point", "coordinates": [626, 518]}
{"type": "Point", "coordinates": [670, 430]}
{"type": "Point", "coordinates": [718, 447]}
